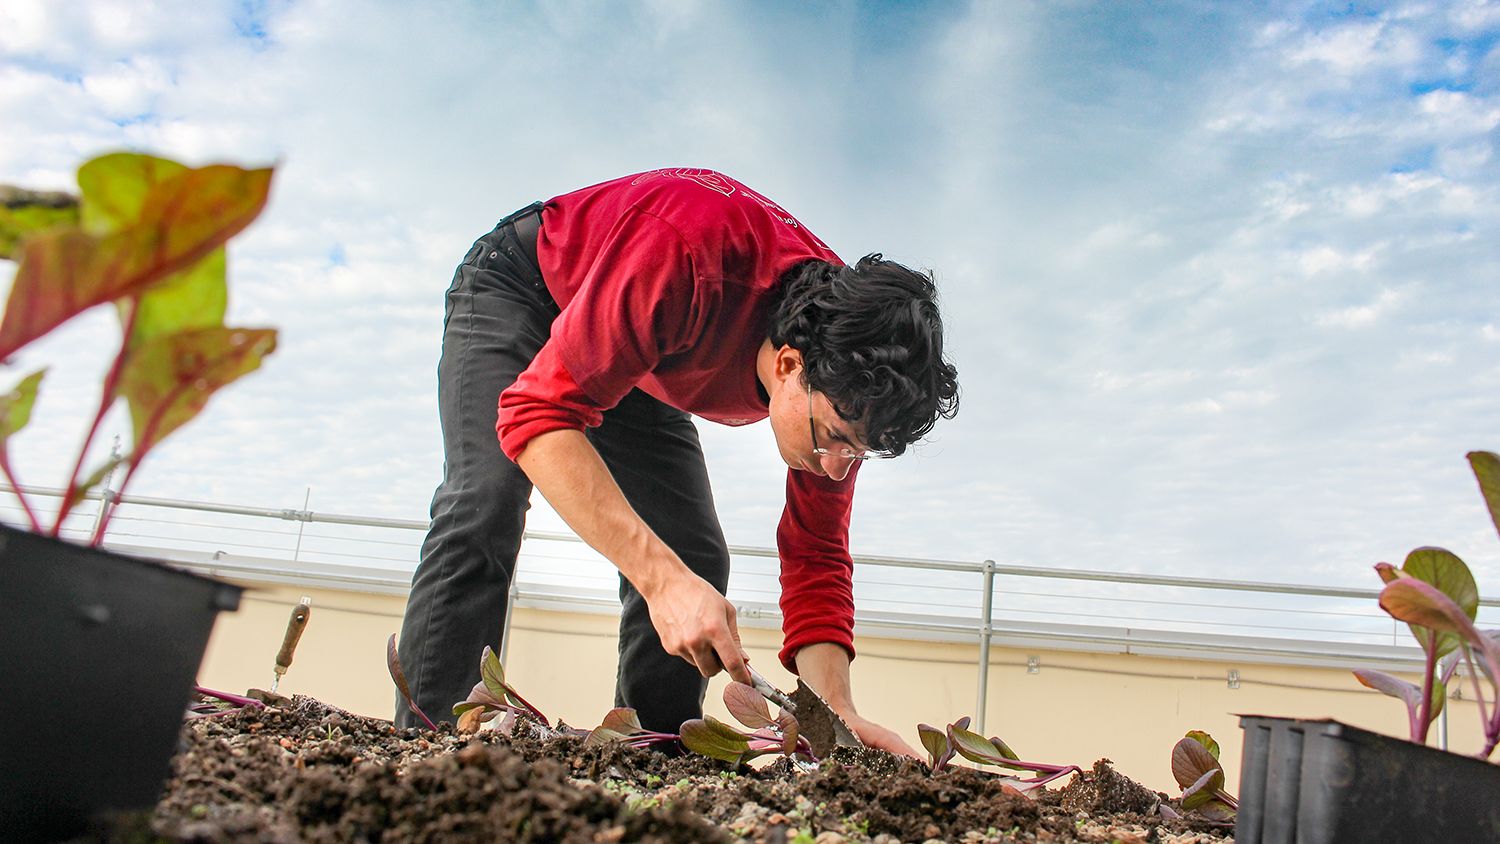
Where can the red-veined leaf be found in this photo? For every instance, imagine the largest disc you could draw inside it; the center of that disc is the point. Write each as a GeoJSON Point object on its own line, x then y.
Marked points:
{"type": "Point", "coordinates": [15, 406]}
{"type": "Point", "coordinates": [936, 742]}
{"type": "Point", "coordinates": [1190, 761]}
{"type": "Point", "coordinates": [492, 674]}
{"type": "Point", "coordinates": [1004, 749]}
{"type": "Point", "coordinates": [1417, 602]}
{"type": "Point", "coordinates": [747, 706]}
{"type": "Point", "coordinates": [975, 747]}
{"type": "Point", "coordinates": [1216, 810]}
{"type": "Point", "coordinates": [1201, 790]}
{"type": "Point", "coordinates": [786, 722]}
{"type": "Point", "coordinates": [622, 719]}
{"type": "Point", "coordinates": [1204, 739]}
{"type": "Point", "coordinates": [65, 271]}
{"type": "Point", "coordinates": [708, 736]}
{"type": "Point", "coordinates": [113, 188]}
{"type": "Point", "coordinates": [168, 381]}
{"type": "Point", "coordinates": [1486, 467]}
{"type": "Point", "coordinates": [1410, 693]}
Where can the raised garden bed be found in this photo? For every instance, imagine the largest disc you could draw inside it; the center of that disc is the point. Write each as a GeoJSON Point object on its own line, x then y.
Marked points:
{"type": "Point", "coordinates": [310, 772]}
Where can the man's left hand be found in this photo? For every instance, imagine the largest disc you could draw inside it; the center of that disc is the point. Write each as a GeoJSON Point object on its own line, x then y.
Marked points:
{"type": "Point", "coordinates": [881, 738]}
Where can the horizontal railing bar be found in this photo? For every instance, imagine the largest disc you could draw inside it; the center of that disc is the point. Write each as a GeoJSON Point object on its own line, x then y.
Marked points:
{"type": "Point", "coordinates": [751, 551]}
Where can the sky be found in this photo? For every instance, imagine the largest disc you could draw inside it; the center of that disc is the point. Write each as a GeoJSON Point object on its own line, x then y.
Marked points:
{"type": "Point", "coordinates": [1221, 280]}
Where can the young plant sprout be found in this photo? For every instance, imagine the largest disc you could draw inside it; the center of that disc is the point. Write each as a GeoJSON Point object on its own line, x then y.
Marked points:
{"type": "Point", "coordinates": [1195, 766]}
{"type": "Point", "coordinates": [988, 751]}
{"type": "Point", "coordinates": [393, 664]}
{"type": "Point", "coordinates": [492, 696]}
{"type": "Point", "coordinates": [708, 736]}
{"type": "Point", "coordinates": [939, 748]}
{"type": "Point", "coordinates": [148, 235]}
{"type": "Point", "coordinates": [1435, 594]}
{"type": "Point", "coordinates": [624, 726]}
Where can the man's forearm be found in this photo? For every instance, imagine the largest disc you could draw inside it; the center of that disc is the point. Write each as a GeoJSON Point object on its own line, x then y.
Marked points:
{"type": "Point", "coordinates": [825, 667]}
{"type": "Point", "coordinates": [568, 471]}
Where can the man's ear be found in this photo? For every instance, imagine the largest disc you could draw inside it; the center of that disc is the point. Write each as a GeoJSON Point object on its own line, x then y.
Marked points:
{"type": "Point", "coordinates": [788, 362]}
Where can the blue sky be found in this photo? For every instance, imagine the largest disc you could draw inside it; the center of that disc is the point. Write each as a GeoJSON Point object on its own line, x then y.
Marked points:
{"type": "Point", "coordinates": [1221, 279]}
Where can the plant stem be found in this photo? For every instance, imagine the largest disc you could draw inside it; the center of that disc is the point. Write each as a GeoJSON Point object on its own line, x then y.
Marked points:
{"type": "Point", "coordinates": [106, 398]}
{"type": "Point", "coordinates": [1425, 718]}
{"type": "Point", "coordinates": [237, 700]}
{"type": "Point", "coordinates": [10, 477]}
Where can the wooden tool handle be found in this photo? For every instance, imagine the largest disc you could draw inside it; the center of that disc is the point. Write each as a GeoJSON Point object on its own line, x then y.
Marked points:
{"type": "Point", "coordinates": [294, 628]}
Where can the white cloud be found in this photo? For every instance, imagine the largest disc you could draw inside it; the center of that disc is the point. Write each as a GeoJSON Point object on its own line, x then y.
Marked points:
{"type": "Point", "coordinates": [1360, 315]}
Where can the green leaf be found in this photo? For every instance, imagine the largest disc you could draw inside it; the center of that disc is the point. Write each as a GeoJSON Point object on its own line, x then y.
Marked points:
{"type": "Point", "coordinates": [747, 706]}
{"type": "Point", "coordinates": [707, 736]}
{"type": "Point", "coordinates": [1201, 791]}
{"type": "Point", "coordinates": [196, 297]}
{"type": "Point", "coordinates": [936, 742]}
{"type": "Point", "coordinates": [65, 271]}
{"type": "Point", "coordinates": [1447, 572]}
{"type": "Point", "coordinates": [115, 188]}
{"type": "Point", "coordinates": [15, 406]}
{"type": "Point", "coordinates": [977, 748]}
{"type": "Point", "coordinates": [168, 381]}
{"type": "Point", "coordinates": [25, 212]}
{"type": "Point", "coordinates": [1191, 761]}
{"type": "Point", "coordinates": [1486, 467]}
{"type": "Point", "coordinates": [622, 719]}
{"type": "Point", "coordinates": [1206, 740]}
{"type": "Point", "coordinates": [492, 674]}
{"type": "Point", "coordinates": [1003, 748]}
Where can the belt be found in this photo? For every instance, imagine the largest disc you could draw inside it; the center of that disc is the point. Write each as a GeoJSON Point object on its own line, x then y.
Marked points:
{"type": "Point", "coordinates": [527, 226]}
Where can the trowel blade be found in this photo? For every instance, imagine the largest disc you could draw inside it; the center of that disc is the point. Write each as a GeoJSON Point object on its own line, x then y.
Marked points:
{"type": "Point", "coordinates": [822, 727]}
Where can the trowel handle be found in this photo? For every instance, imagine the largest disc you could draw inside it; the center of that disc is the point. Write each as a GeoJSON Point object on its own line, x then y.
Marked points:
{"type": "Point", "coordinates": [294, 627]}
{"type": "Point", "coordinates": [770, 692]}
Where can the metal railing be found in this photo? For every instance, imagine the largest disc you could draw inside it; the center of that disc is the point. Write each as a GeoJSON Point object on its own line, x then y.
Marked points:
{"type": "Point", "coordinates": [1152, 614]}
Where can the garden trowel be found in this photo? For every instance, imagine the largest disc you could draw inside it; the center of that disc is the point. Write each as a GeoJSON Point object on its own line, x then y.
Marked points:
{"type": "Point", "coordinates": [301, 612]}
{"type": "Point", "coordinates": [816, 720]}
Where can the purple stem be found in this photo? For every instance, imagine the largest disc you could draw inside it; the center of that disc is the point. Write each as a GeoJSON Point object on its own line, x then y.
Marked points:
{"type": "Point", "coordinates": [1425, 718]}
{"type": "Point", "coordinates": [237, 700]}
{"type": "Point", "coordinates": [36, 524]}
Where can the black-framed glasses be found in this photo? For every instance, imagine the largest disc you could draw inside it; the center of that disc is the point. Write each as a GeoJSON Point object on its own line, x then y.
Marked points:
{"type": "Point", "coordinates": [843, 452]}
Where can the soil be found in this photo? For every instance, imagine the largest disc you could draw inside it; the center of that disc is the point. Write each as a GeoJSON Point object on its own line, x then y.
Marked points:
{"type": "Point", "coordinates": [306, 771]}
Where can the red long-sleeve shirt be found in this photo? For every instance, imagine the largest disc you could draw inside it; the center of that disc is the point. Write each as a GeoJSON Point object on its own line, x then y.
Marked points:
{"type": "Point", "coordinates": [666, 280]}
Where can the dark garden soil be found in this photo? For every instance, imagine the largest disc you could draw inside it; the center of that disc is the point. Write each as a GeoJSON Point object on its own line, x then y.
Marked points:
{"type": "Point", "coordinates": [310, 772]}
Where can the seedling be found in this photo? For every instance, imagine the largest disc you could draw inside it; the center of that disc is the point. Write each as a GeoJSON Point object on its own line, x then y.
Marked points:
{"type": "Point", "coordinates": [624, 726]}
{"type": "Point", "coordinates": [1435, 594]}
{"type": "Point", "coordinates": [393, 664]}
{"type": "Point", "coordinates": [491, 697]}
{"type": "Point", "coordinates": [993, 751]}
{"type": "Point", "coordinates": [708, 736]}
{"type": "Point", "coordinates": [1195, 766]}
{"type": "Point", "coordinates": [148, 236]}
{"type": "Point", "coordinates": [939, 748]}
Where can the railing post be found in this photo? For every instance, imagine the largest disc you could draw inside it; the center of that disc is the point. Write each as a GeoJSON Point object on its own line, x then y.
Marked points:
{"type": "Point", "coordinates": [985, 632]}
{"type": "Point", "coordinates": [510, 608]}
{"type": "Point", "coordinates": [106, 495]}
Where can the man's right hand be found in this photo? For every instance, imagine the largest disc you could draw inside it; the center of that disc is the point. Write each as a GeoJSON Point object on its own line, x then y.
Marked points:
{"type": "Point", "coordinates": [698, 624]}
{"type": "Point", "coordinates": [693, 620]}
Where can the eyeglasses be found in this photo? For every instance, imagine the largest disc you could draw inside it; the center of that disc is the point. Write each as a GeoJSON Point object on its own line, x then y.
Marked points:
{"type": "Point", "coordinates": [843, 452]}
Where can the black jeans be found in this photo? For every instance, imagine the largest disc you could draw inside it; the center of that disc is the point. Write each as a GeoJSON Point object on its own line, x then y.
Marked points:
{"type": "Point", "coordinates": [498, 315]}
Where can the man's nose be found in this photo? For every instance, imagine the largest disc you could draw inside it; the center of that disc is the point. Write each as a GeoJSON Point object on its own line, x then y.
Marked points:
{"type": "Point", "coordinates": [836, 467]}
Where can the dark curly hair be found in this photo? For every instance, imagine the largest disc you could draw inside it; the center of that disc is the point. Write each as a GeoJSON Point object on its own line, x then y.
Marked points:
{"type": "Point", "coordinates": [871, 340]}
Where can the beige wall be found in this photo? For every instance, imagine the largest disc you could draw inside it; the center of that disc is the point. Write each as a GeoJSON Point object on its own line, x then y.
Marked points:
{"type": "Point", "coordinates": [1076, 708]}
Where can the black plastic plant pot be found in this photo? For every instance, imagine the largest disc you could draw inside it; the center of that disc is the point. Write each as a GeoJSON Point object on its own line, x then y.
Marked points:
{"type": "Point", "coordinates": [98, 656]}
{"type": "Point", "coordinates": [1320, 781]}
